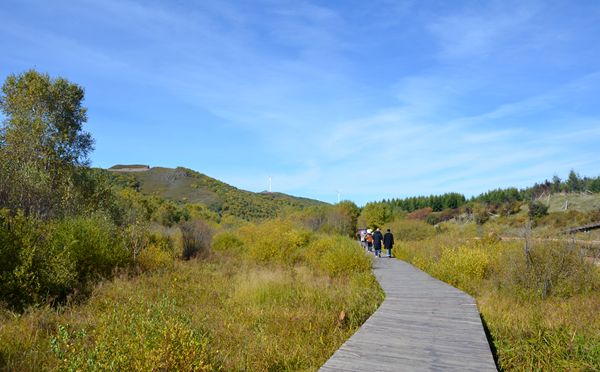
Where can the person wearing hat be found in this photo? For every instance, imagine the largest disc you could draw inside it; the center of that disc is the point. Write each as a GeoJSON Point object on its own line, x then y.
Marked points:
{"type": "Point", "coordinates": [388, 242]}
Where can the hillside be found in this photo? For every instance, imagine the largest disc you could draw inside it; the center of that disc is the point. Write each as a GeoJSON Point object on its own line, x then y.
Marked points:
{"type": "Point", "coordinates": [581, 202]}
{"type": "Point", "coordinates": [185, 185]}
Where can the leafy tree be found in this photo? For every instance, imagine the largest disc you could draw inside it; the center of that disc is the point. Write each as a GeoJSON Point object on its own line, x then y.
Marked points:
{"type": "Point", "coordinates": [556, 184]}
{"type": "Point", "coordinates": [375, 214]}
{"type": "Point", "coordinates": [42, 143]}
{"type": "Point", "coordinates": [574, 182]}
{"type": "Point", "coordinates": [595, 185]}
{"type": "Point", "coordinates": [343, 217]}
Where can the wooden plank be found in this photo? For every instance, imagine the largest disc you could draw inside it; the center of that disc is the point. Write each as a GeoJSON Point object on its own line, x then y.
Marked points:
{"type": "Point", "coordinates": [423, 324]}
{"type": "Point", "coordinates": [591, 226]}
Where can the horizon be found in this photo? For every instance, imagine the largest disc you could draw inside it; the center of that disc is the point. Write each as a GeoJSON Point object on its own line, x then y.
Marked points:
{"type": "Point", "coordinates": [375, 101]}
{"type": "Point", "coordinates": [360, 205]}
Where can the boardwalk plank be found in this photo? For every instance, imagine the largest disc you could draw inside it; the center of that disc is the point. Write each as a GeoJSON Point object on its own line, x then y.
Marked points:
{"type": "Point", "coordinates": [422, 325]}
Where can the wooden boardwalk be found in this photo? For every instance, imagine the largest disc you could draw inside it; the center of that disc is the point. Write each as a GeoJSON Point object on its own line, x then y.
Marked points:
{"type": "Point", "coordinates": [422, 325]}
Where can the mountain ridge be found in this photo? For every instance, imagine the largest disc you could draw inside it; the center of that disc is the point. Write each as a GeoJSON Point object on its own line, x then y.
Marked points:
{"type": "Point", "coordinates": [189, 186]}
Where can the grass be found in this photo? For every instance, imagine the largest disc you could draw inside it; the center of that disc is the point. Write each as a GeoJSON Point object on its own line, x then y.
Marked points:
{"type": "Point", "coordinates": [578, 202]}
{"type": "Point", "coordinates": [230, 312]}
{"type": "Point", "coordinates": [541, 308]}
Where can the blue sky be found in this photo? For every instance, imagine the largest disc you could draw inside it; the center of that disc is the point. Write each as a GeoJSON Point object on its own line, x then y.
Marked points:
{"type": "Point", "coordinates": [376, 99]}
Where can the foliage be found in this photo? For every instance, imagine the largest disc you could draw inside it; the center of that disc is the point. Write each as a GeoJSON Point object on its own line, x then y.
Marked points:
{"type": "Point", "coordinates": [537, 209]}
{"type": "Point", "coordinates": [337, 256]}
{"type": "Point", "coordinates": [342, 218]}
{"type": "Point", "coordinates": [274, 241]}
{"type": "Point", "coordinates": [227, 312]}
{"type": "Point", "coordinates": [43, 261]}
{"type": "Point", "coordinates": [375, 214]}
{"type": "Point", "coordinates": [409, 230]}
{"type": "Point", "coordinates": [42, 144]}
{"type": "Point", "coordinates": [227, 241]}
{"type": "Point", "coordinates": [154, 258]}
{"type": "Point", "coordinates": [182, 185]}
{"type": "Point", "coordinates": [436, 202]}
{"type": "Point", "coordinates": [540, 303]}
{"type": "Point", "coordinates": [553, 269]}
{"type": "Point", "coordinates": [31, 270]}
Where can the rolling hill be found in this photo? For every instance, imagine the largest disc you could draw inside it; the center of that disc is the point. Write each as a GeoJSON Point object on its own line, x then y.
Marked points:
{"type": "Point", "coordinates": [186, 185]}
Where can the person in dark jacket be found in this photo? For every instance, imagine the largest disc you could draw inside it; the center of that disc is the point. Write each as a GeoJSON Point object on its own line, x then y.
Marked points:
{"type": "Point", "coordinates": [377, 239]}
{"type": "Point", "coordinates": [388, 242]}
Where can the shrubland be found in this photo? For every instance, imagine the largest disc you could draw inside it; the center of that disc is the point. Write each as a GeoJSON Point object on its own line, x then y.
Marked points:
{"type": "Point", "coordinates": [237, 309]}
{"type": "Point", "coordinates": [538, 298]}
{"type": "Point", "coordinates": [96, 275]}
{"type": "Point", "coordinates": [170, 269]}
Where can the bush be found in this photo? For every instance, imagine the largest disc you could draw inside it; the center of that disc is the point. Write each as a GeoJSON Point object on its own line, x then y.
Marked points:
{"type": "Point", "coordinates": [337, 256]}
{"type": "Point", "coordinates": [197, 237]}
{"type": "Point", "coordinates": [154, 258]}
{"type": "Point", "coordinates": [537, 209]}
{"type": "Point", "coordinates": [94, 243]}
{"type": "Point", "coordinates": [480, 214]}
{"type": "Point", "coordinates": [434, 218]}
{"type": "Point", "coordinates": [41, 261]}
{"type": "Point", "coordinates": [549, 269]}
{"type": "Point", "coordinates": [409, 230]}
{"type": "Point", "coordinates": [275, 241]}
{"type": "Point", "coordinates": [31, 270]}
{"type": "Point", "coordinates": [227, 242]}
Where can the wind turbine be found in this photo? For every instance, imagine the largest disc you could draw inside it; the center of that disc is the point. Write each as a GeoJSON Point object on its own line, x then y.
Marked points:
{"type": "Point", "coordinates": [338, 195]}
{"type": "Point", "coordinates": [270, 184]}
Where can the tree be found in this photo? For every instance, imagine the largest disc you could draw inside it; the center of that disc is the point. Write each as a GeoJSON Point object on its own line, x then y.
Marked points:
{"type": "Point", "coordinates": [42, 143]}
{"type": "Point", "coordinates": [574, 183]}
{"type": "Point", "coordinates": [555, 184]}
{"type": "Point", "coordinates": [375, 214]}
{"type": "Point", "coordinates": [343, 217]}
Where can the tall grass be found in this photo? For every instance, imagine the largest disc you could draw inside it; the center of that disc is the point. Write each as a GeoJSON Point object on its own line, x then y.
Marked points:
{"type": "Point", "coordinates": [237, 310]}
{"type": "Point", "coordinates": [540, 303]}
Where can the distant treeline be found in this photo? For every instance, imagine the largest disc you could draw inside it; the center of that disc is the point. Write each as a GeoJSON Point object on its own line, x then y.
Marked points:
{"type": "Point", "coordinates": [436, 202]}
{"type": "Point", "coordinates": [574, 183]}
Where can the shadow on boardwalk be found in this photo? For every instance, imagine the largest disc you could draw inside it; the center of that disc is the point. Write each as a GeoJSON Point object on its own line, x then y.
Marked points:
{"type": "Point", "coordinates": [423, 325]}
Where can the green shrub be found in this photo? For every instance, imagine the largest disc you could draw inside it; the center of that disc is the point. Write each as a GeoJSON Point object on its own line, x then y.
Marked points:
{"type": "Point", "coordinates": [31, 270]}
{"type": "Point", "coordinates": [227, 242]}
{"type": "Point", "coordinates": [46, 261]}
{"type": "Point", "coordinates": [537, 209]}
{"type": "Point", "coordinates": [337, 256]}
{"type": "Point", "coordinates": [275, 241]}
{"type": "Point", "coordinates": [94, 243]}
{"type": "Point", "coordinates": [434, 218]}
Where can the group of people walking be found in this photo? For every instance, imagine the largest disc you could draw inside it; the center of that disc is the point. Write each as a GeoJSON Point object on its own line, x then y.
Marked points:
{"type": "Point", "coordinates": [374, 240]}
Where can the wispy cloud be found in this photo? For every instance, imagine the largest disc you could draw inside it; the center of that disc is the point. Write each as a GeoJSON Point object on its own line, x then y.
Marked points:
{"type": "Point", "coordinates": [378, 100]}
